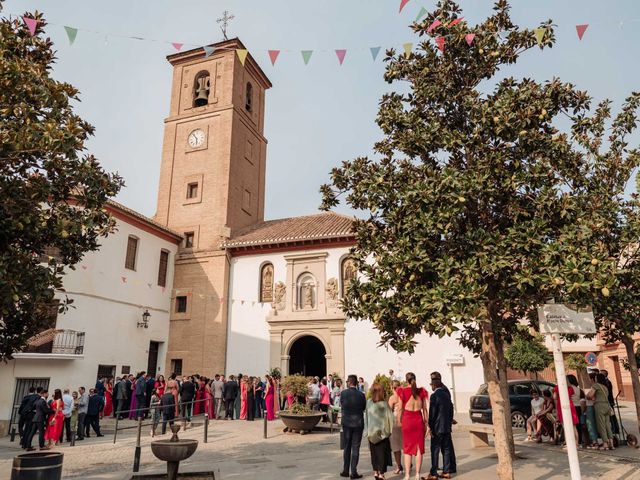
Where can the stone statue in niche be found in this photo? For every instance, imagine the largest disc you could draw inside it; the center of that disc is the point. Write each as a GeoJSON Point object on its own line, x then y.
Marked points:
{"type": "Point", "coordinates": [279, 296]}
{"type": "Point", "coordinates": [307, 295]}
{"type": "Point", "coordinates": [332, 292]}
{"type": "Point", "coordinates": [266, 284]}
{"type": "Point", "coordinates": [348, 274]}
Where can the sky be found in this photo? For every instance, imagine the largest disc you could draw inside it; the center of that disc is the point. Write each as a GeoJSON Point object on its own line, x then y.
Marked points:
{"type": "Point", "coordinates": [318, 115]}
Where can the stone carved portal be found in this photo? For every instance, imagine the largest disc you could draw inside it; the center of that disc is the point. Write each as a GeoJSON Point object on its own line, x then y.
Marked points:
{"type": "Point", "coordinates": [307, 357]}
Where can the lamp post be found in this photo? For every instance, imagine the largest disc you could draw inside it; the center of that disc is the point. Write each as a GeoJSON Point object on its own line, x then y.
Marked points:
{"type": "Point", "coordinates": [144, 323]}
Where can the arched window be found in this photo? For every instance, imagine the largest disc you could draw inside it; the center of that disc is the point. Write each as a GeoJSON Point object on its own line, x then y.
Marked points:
{"type": "Point", "coordinates": [201, 88]}
{"type": "Point", "coordinates": [249, 97]}
{"type": "Point", "coordinates": [266, 283]}
{"type": "Point", "coordinates": [347, 274]}
{"type": "Point", "coordinates": [306, 292]}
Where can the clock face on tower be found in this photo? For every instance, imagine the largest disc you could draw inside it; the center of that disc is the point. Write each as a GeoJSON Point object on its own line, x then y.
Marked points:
{"type": "Point", "coordinates": [196, 138]}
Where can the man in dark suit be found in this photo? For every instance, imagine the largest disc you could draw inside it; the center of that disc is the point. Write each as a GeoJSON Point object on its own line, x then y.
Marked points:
{"type": "Point", "coordinates": [353, 404]}
{"type": "Point", "coordinates": [96, 405]}
{"type": "Point", "coordinates": [151, 383]}
{"type": "Point", "coordinates": [187, 395]}
{"type": "Point", "coordinates": [229, 393]}
{"type": "Point", "coordinates": [141, 391]}
{"type": "Point", "coordinates": [168, 409]}
{"type": "Point", "coordinates": [39, 422]}
{"type": "Point", "coordinates": [440, 421]}
{"type": "Point", "coordinates": [452, 455]}
{"type": "Point", "coordinates": [26, 412]}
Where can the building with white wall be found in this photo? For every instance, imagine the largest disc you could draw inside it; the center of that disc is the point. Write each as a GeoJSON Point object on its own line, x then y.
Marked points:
{"type": "Point", "coordinates": [103, 333]}
{"type": "Point", "coordinates": [286, 280]}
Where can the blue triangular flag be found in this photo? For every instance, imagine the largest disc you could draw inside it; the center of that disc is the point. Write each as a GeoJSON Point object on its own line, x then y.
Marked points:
{"type": "Point", "coordinates": [374, 52]}
{"type": "Point", "coordinates": [208, 50]}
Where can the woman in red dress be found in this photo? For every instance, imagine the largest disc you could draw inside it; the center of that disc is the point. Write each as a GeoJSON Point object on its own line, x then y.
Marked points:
{"type": "Point", "coordinates": [208, 395]}
{"type": "Point", "coordinates": [198, 407]}
{"type": "Point", "coordinates": [413, 418]}
{"type": "Point", "coordinates": [269, 396]}
{"type": "Point", "coordinates": [574, 414]}
{"type": "Point", "coordinates": [160, 385]}
{"type": "Point", "coordinates": [55, 421]}
{"type": "Point", "coordinates": [108, 399]}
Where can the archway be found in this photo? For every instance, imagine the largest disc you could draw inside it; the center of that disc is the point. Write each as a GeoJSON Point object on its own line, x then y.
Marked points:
{"type": "Point", "coordinates": [307, 357]}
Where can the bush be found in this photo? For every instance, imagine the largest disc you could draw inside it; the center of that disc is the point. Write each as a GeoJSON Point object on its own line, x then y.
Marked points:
{"type": "Point", "coordinates": [275, 373]}
{"type": "Point", "coordinates": [296, 384]}
{"type": "Point", "coordinates": [299, 409]}
{"type": "Point", "coordinates": [386, 384]}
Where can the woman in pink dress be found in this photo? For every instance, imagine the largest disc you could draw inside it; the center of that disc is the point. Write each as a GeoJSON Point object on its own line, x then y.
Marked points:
{"type": "Point", "coordinates": [243, 398]}
{"type": "Point", "coordinates": [269, 398]}
{"type": "Point", "coordinates": [208, 395]}
{"type": "Point", "coordinates": [55, 422]}
{"type": "Point", "coordinates": [289, 399]}
{"type": "Point", "coordinates": [198, 407]}
{"type": "Point", "coordinates": [108, 399]}
{"type": "Point", "coordinates": [134, 402]}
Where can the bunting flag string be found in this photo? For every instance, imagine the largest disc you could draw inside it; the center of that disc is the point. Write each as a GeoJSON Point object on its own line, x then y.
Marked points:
{"type": "Point", "coordinates": [306, 56]}
{"type": "Point", "coordinates": [440, 42]}
{"type": "Point", "coordinates": [31, 23]}
{"type": "Point", "coordinates": [341, 54]}
{"type": "Point", "coordinates": [273, 56]}
{"type": "Point", "coordinates": [469, 38]}
{"type": "Point", "coordinates": [423, 11]}
{"type": "Point", "coordinates": [433, 25]}
{"type": "Point", "coordinates": [177, 46]}
{"type": "Point", "coordinates": [374, 52]}
{"type": "Point", "coordinates": [208, 50]}
{"type": "Point", "coordinates": [407, 49]}
{"type": "Point", "coordinates": [580, 29]}
{"type": "Point", "coordinates": [71, 34]}
{"type": "Point", "coordinates": [242, 55]}
{"type": "Point", "coordinates": [403, 3]}
{"type": "Point", "coordinates": [540, 34]}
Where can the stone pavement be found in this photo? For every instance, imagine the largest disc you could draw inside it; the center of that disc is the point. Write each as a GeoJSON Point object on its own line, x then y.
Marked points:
{"type": "Point", "coordinates": [236, 450]}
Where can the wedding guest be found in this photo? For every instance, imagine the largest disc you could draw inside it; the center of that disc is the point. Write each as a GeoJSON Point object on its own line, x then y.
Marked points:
{"type": "Point", "coordinates": [269, 396]}
{"type": "Point", "coordinates": [258, 388]}
{"type": "Point", "coordinates": [379, 424]}
{"type": "Point", "coordinates": [353, 405]}
{"type": "Point", "coordinates": [83, 407]}
{"type": "Point", "coordinates": [325, 399]}
{"type": "Point", "coordinates": [440, 422]}
{"type": "Point", "coordinates": [160, 385]}
{"type": "Point", "coordinates": [96, 405]}
{"type": "Point", "coordinates": [108, 398]}
{"type": "Point", "coordinates": [155, 411]}
{"type": "Point", "coordinates": [396, 433]}
{"type": "Point", "coordinates": [250, 400]}
{"type": "Point", "coordinates": [67, 410]}
{"type": "Point", "coordinates": [26, 412]}
{"type": "Point", "coordinates": [39, 421]}
{"type": "Point", "coordinates": [218, 387]}
{"type": "Point", "coordinates": [230, 392]}
{"type": "Point", "coordinates": [168, 408]}
{"type": "Point", "coordinates": [413, 417]}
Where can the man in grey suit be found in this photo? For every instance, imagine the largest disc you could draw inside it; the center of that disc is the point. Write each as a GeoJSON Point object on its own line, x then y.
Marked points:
{"type": "Point", "coordinates": [218, 387]}
{"type": "Point", "coordinates": [83, 407]}
{"type": "Point", "coordinates": [120, 394]}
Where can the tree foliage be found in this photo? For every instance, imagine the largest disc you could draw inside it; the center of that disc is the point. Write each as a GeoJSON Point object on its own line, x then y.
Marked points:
{"type": "Point", "coordinates": [528, 353]}
{"type": "Point", "coordinates": [576, 361]}
{"type": "Point", "coordinates": [52, 191]}
{"type": "Point", "coordinates": [487, 195]}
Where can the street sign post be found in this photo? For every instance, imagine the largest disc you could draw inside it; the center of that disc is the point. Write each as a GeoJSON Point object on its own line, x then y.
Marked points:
{"type": "Point", "coordinates": [556, 319]}
{"type": "Point", "coordinates": [591, 358]}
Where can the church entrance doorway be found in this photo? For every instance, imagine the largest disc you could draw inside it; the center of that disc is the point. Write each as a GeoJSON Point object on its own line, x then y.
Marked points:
{"type": "Point", "coordinates": [307, 357]}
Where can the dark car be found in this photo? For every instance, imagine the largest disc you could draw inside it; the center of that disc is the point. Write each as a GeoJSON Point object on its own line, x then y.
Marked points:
{"type": "Point", "coordinates": [519, 398]}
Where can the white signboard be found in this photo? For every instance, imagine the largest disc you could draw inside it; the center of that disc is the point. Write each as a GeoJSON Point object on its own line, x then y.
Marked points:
{"type": "Point", "coordinates": [561, 318]}
{"type": "Point", "coordinates": [455, 359]}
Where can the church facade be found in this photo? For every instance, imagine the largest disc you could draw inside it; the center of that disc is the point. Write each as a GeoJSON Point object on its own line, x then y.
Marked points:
{"type": "Point", "coordinates": [250, 295]}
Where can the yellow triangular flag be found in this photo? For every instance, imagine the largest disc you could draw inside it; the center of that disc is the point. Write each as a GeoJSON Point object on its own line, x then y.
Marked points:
{"type": "Point", "coordinates": [242, 55]}
{"type": "Point", "coordinates": [407, 49]}
{"type": "Point", "coordinates": [540, 34]}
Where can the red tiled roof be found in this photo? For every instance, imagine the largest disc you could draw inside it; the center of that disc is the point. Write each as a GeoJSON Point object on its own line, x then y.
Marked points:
{"type": "Point", "coordinates": [329, 225]}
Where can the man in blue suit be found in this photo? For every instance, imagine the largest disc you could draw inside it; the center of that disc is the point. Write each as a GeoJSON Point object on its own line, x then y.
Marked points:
{"type": "Point", "coordinates": [440, 421]}
{"type": "Point", "coordinates": [353, 404]}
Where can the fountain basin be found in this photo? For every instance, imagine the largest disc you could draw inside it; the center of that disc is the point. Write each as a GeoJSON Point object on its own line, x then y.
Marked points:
{"type": "Point", "coordinates": [172, 451]}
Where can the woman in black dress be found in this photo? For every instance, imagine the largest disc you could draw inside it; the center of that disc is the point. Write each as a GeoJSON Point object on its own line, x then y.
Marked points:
{"type": "Point", "coordinates": [250, 399]}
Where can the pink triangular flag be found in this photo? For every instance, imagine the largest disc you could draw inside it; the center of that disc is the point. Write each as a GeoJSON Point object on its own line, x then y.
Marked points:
{"type": "Point", "coordinates": [469, 38]}
{"type": "Point", "coordinates": [435, 23]}
{"type": "Point", "coordinates": [341, 54]}
{"type": "Point", "coordinates": [124, 279]}
{"type": "Point", "coordinates": [31, 23]}
{"type": "Point", "coordinates": [440, 42]}
{"type": "Point", "coordinates": [273, 55]}
{"type": "Point", "coordinates": [403, 3]}
{"type": "Point", "coordinates": [581, 29]}
{"type": "Point", "coordinates": [177, 46]}
{"type": "Point", "coordinates": [84, 267]}
{"type": "Point", "coordinates": [457, 20]}
{"type": "Point", "coordinates": [163, 289]}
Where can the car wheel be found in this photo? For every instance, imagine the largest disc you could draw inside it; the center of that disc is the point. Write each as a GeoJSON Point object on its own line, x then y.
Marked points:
{"type": "Point", "coordinates": [518, 420]}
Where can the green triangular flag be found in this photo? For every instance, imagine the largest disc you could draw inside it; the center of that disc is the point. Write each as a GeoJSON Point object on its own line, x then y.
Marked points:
{"type": "Point", "coordinates": [71, 33]}
{"type": "Point", "coordinates": [423, 11]}
{"type": "Point", "coordinates": [306, 56]}
{"type": "Point", "coordinates": [540, 34]}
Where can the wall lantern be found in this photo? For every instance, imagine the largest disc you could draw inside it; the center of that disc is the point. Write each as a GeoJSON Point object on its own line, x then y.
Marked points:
{"type": "Point", "coordinates": [145, 319]}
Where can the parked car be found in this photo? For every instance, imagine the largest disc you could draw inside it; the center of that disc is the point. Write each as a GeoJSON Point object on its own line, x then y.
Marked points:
{"type": "Point", "coordinates": [519, 398]}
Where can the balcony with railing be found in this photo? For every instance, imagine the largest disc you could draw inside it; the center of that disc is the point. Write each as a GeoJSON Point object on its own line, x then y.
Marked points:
{"type": "Point", "coordinates": [52, 343]}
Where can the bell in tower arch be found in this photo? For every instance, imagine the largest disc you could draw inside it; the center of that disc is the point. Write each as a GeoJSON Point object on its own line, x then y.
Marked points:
{"type": "Point", "coordinates": [201, 91]}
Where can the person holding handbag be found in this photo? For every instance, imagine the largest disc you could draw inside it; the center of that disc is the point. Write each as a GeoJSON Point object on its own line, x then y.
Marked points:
{"type": "Point", "coordinates": [379, 424]}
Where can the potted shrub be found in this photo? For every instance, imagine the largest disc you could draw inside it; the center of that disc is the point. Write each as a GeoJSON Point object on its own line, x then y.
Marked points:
{"type": "Point", "coordinates": [298, 417]}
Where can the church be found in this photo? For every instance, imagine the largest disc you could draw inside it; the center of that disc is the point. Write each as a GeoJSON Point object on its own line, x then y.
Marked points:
{"type": "Point", "coordinates": [248, 294]}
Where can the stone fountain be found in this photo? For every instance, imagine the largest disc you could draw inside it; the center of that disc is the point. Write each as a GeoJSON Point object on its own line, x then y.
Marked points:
{"type": "Point", "coordinates": [173, 451]}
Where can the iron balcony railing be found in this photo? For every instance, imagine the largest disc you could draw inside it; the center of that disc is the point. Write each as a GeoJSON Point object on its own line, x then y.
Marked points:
{"type": "Point", "coordinates": [68, 342]}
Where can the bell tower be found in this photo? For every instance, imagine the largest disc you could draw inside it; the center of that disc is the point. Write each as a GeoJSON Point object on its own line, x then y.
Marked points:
{"type": "Point", "coordinates": [212, 180]}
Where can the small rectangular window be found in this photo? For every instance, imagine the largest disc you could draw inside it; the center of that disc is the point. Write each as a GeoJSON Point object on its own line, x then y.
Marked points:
{"type": "Point", "coordinates": [192, 190]}
{"type": "Point", "coordinates": [162, 269]}
{"type": "Point", "coordinates": [126, 369]}
{"type": "Point", "coordinates": [176, 366]}
{"type": "Point", "coordinates": [132, 249]}
{"type": "Point", "coordinates": [188, 239]}
{"type": "Point", "coordinates": [181, 304]}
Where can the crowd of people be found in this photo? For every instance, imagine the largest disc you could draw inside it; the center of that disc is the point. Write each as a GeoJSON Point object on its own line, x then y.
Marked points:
{"type": "Point", "coordinates": [592, 413]}
{"type": "Point", "coordinates": [397, 427]}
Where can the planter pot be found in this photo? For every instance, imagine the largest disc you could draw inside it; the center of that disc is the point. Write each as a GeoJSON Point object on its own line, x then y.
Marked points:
{"type": "Point", "coordinates": [300, 423]}
{"type": "Point", "coordinates": [37, 466]}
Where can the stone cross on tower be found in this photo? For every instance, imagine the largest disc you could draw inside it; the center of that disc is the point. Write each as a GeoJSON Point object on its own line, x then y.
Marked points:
{"type": "Point", "coordinates": [224, 22]}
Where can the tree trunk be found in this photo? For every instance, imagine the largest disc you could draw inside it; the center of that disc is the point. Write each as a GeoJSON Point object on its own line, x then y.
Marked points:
{"type": "Point", "coordinates": [628, 342]}
{"type": "Point", "coordinates": [494, 366]}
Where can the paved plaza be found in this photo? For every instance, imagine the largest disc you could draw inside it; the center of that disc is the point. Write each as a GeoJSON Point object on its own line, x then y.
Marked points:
{"type": "Point", "coordinates": [236, 450]}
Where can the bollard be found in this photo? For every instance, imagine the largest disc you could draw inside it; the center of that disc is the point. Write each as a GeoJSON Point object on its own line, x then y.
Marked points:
{"type": "Point", "coordinates": [13, 434]}
{"type": "Point", "coordinates": [73, 439]}
{"type": "Point", "coordinates": [265, 427]}
{"type": "Point", "coordinates": [206, 426]}
{"type": "Point", "coordinates": [115, 433]}
{"type": "Point", "coordinates": [136, 458]}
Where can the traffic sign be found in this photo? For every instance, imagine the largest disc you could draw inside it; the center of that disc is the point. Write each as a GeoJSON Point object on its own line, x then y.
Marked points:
{"type": "Point", "coordinates": [591, 358]}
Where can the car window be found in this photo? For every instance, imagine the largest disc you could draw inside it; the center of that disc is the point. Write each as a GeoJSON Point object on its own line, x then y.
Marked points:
{"type": "Point", "coordinates": [520, 389]}
{"type": "Point", "coordinates": [545, 386]}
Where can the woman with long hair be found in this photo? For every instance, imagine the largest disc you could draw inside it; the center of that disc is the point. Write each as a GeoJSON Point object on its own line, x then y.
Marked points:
{"type": "Point", "coordinates": [243, 398]}
{"type": "Point", "coordinates": [572, 408]}
{"type": "Point", "coordinates": [269, 395]}
{"type": "Point", "coordinates": [379, 423]}
{"type": "Point", "coordinates": [108, 398]}
{"type": "Point", "coordinates": [160, 385]}
{"type": "Point", "coordinates": [208, 395]}
{"type": "Point", "coordinates": [599, 394]}
{"type": "Point", "coordinates": [133, 406]}
{"type": "Point", "coordinates": [413, 418]}
{"type": "Point", "coordinates": [55, 421]}
{"type": "Point", "coordinates": [173, 388]}
{"type": "Point", "coordinates": [250, 399]}
{"type": "Point", "coordinates": [395, 404]}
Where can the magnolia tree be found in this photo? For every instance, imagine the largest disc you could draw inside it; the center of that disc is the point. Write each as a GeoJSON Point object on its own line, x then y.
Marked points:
{"type": "Point", "coordinates": [52, 192]}
{"type": "Point", "coordinates": [479, 205]}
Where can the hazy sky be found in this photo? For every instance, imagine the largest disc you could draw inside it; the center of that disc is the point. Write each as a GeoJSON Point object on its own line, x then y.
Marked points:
{"type": "Point", "coordinates": [317, 115]}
